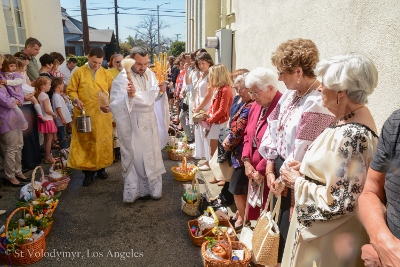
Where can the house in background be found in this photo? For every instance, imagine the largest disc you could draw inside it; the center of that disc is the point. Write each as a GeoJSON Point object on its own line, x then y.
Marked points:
{"type": "Point", "coordinates": [73, 37]}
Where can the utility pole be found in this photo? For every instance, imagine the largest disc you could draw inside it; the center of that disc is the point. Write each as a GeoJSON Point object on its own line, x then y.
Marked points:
{"type": "Point", "coordinates": [177, 36]}
{"type": "Point", "coordinates": [116, 26]}
{"type": "Point", "coordinates": [158, 28]}
{"type": "Point", "coordinates": [85, 28]}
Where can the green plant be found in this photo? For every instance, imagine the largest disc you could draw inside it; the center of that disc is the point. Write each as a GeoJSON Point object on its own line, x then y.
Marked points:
{"type": "Point", "coordinates": [211, 242]}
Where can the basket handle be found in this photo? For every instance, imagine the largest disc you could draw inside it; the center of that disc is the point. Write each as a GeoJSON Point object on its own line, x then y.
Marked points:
{"type": "Point", "coordinates": [198, 187]}
{"type": "Point", "coordinates": [34, 187]}
{"type": "Point", "coordinates": [13, 213]}
{"type": "Point", "coordinates": [184, 165]}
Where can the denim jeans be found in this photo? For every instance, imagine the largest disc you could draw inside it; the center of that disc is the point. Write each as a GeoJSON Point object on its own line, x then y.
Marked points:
{"type": "Point", "coordinates": [61, 134]}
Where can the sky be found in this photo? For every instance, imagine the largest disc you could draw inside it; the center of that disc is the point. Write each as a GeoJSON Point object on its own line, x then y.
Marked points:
{"type": "Point", "coordinates": [172, 14]}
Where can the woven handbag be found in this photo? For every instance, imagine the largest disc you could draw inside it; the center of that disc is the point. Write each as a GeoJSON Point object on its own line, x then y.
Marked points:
{"type": "Point", "coordinates": [199, 116]}
{"type": "Point", "coordinates": [266, 235]}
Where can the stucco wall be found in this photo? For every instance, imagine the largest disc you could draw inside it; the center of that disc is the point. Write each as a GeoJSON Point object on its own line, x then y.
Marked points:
{"type": "Point", "coordinates": [370, 27]}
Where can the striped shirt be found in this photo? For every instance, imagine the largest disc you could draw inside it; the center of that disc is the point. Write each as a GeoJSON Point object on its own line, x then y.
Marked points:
{"type": "Point", "coordinates": [387, 159]}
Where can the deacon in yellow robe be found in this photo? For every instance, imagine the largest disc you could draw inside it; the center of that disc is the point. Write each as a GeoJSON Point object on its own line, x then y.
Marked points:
{"type": "Point", "coordinates": [91, 152]}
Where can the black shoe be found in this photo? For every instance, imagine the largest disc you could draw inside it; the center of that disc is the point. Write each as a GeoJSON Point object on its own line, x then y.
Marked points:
{"type": "Point", "coordinates": [145, 197]}
{"type": "Point", "coordinates": [88, 180]}
{"type": "Point", "coordinates": [6, 182]}
{"type": "Point", "coordinates": [25, 181]}
{"type": "Point", "coordinates": [102, 174]}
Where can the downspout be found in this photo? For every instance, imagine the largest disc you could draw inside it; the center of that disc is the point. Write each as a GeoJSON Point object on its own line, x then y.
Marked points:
{"type": "Point", "coordinates": [223, 14]}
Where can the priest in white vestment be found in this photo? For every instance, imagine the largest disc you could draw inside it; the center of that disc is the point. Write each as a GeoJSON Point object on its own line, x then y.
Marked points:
{"type": "Point", "coordinates": [142, 125]}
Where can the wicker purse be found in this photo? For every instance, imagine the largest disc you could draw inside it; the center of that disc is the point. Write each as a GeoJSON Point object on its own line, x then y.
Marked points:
{"type": "Point", "coordinates": [266, 235]}
{"type": "Point", "coordinates": [199, 116]}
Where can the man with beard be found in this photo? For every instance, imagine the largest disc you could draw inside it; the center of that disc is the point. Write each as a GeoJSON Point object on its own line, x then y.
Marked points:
{"type": "Point", "coordinates": [142, 124]}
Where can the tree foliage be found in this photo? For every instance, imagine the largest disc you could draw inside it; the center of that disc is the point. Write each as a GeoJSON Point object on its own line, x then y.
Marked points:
{"type": "Point", "coordinates": [177, 48]}
{"type": "Point", "coordinates": [146, 34]}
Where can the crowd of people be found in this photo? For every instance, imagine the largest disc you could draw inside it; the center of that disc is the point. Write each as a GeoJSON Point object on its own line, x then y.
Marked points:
{"type": "Point", "coordinates": [314, 146]}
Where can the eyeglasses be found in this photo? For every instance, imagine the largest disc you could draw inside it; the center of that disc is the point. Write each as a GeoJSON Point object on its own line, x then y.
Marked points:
{"type": "Point", "coordinates": [118, 61]}
{"type": "Point", "coordinates": [254, 94]}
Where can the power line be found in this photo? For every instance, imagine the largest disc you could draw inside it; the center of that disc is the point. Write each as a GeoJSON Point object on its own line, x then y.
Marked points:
{"type": "Point", "coordinates": [123, 13]}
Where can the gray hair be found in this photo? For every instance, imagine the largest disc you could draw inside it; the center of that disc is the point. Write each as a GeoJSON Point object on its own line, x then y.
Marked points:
{"type": "Point", "coordinates": [240, 78]}
{"type": "Point", "coordinates": [354, 73]}
{"type": "Point", "coordinates": [117, 55]}
{"type": "Point", "coordinates": [262, 78]}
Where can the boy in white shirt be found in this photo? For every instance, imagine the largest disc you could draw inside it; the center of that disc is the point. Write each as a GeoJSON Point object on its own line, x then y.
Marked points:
{"type": "Point", "coordinates": [60, 108]}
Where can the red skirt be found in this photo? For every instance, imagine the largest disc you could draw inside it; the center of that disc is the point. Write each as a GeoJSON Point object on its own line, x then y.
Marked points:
{"type": "Point", "coordinates": [47, 127]}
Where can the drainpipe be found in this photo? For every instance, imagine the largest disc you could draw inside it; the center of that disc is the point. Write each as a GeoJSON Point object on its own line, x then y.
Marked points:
{"type": "Point", "coordinates": [223, 14]}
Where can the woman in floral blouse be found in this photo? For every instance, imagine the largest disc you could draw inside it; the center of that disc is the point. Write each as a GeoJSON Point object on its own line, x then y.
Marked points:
{"type": "Point", "coordinates": [325, 230]}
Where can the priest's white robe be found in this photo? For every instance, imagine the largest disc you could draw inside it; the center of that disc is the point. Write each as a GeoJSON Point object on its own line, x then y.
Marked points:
{"type": "Point", "coordinates": [142, 125]}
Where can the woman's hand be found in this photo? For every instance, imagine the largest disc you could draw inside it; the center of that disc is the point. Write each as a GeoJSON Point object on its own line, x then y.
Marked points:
{"type": "Point", "coordinates": [249, 169]}
{"type": "Point", "coordinates": [257, 177]}
{"type": "Point", "coordinates": [226, 144]}
{"type": "Point", "coordinates": [294, 164]}
{"type": "Point", "coordinates": [105, 109]}
{"type": "Point", "coordinates": [289, 176]}
{"type": "Point", "coordinates": [28, 97]}
{"type": "Point", "coordinates": [370, 256]}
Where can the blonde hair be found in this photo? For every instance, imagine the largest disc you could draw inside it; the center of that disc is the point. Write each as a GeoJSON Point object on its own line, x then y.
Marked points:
{"type": "Point", "coordinates": [295, 53]}
{"type": "Point", "coordinates": [219, 76]}
{"type": "Point", "coordinates": [39, 82]}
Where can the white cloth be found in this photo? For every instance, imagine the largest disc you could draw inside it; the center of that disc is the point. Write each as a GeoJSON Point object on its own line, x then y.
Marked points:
{"type": "Point", "coordinates": [202, 145]}
{"type": "Point", "coordinates": [66, 72]}
{"type": "Point", "coordinates": [59, 102]}
{"type": "Point", "coordinates": [192, 95]}
{"type": "Point", "coordinates": [293, 127]}
{"type": "Point", "coordinates": [26, 88]}
{"type": "Point", "coordinates": [142, 124]}
{"type": "Point", "coordinates": [335, 168]}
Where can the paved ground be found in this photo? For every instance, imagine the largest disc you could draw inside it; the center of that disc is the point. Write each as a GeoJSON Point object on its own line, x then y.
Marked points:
{"type": "Point", "coordinates": [93, 227]}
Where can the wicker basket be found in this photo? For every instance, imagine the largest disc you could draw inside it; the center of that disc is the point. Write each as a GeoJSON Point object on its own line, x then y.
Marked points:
{"type": "Point", "coordinates": [62, 182]}
{"type": "Point", "coordinates": [186, 175]}
{"type": "Point", "coordinates": [175, 154]}
{"type": "Point", "coordinates": [47, 230]}
{"type": "Point", "coordinates": [29, 253]}
{"type": "Point", "coordinates": [192, 209]}
{"type": "Point", "coordinates": [199, 240]}
{"type": "Point", "coordinates": [233, 245]}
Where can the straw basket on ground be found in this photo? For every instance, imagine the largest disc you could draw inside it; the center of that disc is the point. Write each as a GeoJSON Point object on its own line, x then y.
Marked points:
{"type": "Point", "coordinates": [32, 252]}
{"type": "Point", "coordinates": [178, 146]}
{"type": "Point", "coordinates": [184, 173]}
{"type": "Point", "coordinates": [192, 209]}
{"type": "Point", "coordinates": [210, 261]}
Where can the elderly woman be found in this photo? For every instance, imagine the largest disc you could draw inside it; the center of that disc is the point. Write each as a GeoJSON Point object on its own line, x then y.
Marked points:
{"type": "Point", "coordinates": [325, 230]}
{"type": "Point", "coordinates": [297, 120]}
{"type": "Point", "coordinates": [262, 84]}
{"type": "Point", "coordinates": [234, 143]}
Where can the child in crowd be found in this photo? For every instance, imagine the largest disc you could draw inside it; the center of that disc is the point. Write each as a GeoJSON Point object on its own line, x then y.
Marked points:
{"type": "Point", "coordinates": [60, 108]}
{"type": "Point", "coordinates": [48, 128]}
{"type": "Point", "coordinates": [27, 88]}
{"type": "Point", "coordinates": [13, 82]}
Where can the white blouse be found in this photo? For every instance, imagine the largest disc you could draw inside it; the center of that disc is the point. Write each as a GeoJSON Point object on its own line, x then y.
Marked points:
{"type": "Point", "coordinates": [293, 125]}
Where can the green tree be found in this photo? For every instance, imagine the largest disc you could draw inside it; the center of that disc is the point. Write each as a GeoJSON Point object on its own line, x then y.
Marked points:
{"type": "Point", "coordinates": [177, 48]}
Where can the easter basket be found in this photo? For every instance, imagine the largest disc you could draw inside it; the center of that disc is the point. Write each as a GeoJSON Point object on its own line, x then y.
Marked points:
{"type": "Point", "coordinates": [198, 240]}
{"type": "Point", "coordinates": [21, 254]}
{"type": "Point", "coordinates": [230, 253]}
{"type": "Point", "coordinates": [192, 209]}
{"type": "Point", "coordinates": [36, 189]}
{"type": "Point", "coordinates": [184, 173]}
{"type": "Point", "coordinates": [59, 175]}
{"type": "Point", "coordinates": [177, 146]}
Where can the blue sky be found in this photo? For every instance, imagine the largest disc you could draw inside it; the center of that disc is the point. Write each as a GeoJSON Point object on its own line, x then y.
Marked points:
{"type": "Point", "coordinates": [177, 25]}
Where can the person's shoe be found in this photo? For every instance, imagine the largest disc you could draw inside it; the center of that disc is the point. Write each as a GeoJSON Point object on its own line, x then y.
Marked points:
{"type": "Point", "coordinates": [2, 212]}
{"type": "Point", "coordinates": [204, 168]}
{"type": "Point", "coordinates": [213, 181]}
{"type": "Point", "coordinates": [147, 197]}
{"type": "Point", "coordinates": [21, 177]}
{"type": "Point", "coordinates": [7, 182]}
{"type": "Point", "coordinates": [221, 183]}
{"type": "Point", "coordinates": [102, 174]}
{"type": "Point", "coordinates": [88, 180]}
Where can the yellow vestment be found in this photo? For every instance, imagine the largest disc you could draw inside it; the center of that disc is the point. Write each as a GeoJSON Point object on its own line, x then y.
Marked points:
{"type": "Point", "coordinates": [91, 151]}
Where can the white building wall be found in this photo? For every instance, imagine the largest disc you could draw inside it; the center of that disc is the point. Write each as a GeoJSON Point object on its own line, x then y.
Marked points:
{"type": "Point", "coordinates": [43, 22]}
{"type": "Point", "coordinates": [368, 26]}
